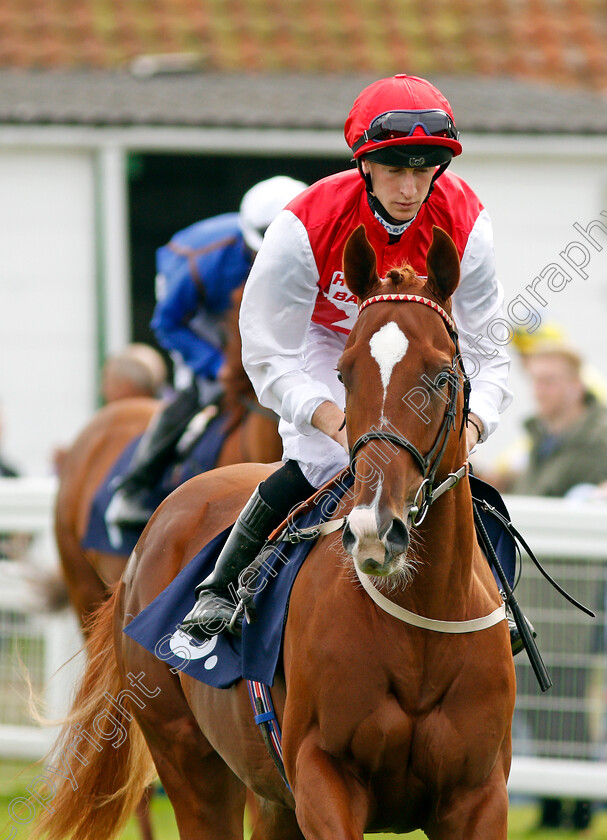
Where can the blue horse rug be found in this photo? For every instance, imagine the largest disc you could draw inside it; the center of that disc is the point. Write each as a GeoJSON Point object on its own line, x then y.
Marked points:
{"type": "Point", "coordinates": [224, 659]}
{"type": "Point", "coordinates": [121, 541]}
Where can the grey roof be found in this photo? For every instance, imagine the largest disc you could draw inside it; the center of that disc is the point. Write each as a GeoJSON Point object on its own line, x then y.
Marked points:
{"type": "Point", "coordinates": [280, 101]}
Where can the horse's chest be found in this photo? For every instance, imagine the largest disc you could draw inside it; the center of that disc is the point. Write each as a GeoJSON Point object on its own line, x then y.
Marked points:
{"type": "Point", "coordinates": [421, 746]}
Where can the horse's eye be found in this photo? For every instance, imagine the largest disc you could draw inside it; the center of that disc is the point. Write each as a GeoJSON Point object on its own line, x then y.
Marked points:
{"type": "Point", "coordinates": [340, 377]}
{"type": "Point", "coordinates": [445, 377]}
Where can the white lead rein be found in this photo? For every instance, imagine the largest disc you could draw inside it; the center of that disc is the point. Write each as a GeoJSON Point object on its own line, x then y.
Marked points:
{"type": "Point", "coordinates": [470, 626]}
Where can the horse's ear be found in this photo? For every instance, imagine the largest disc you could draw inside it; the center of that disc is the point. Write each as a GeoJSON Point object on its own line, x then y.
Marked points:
{"type": "Point", "coordinates": [442, 264]}
{"type": "Point", "coordinates": [360, 264]}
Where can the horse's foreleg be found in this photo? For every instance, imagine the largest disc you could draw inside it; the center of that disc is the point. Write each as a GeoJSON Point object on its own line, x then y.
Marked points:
{"type": "Point", "coordinates": [331, 803]}
{"type": "Point", "coordinates": [273, 822]}
{"type": "Point", "coordinates": [476, 815]}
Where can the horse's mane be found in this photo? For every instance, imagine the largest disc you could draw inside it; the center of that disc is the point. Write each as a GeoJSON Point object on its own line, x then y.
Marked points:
{"type": "Point", "coordinates": [238, 386]}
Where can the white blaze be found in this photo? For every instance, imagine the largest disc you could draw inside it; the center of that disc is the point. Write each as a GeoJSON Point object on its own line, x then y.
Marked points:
{"type": "Point", "coordinates": [388, 346]}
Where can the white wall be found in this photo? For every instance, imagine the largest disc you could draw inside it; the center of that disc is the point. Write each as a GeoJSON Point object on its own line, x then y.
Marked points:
{"type": "Point", "coordinates": [534, 199]}
{"type": "Point", "coordinates": [47, 301]}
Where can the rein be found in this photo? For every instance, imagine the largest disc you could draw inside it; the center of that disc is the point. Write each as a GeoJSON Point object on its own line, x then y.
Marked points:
{"type": "Point", "coordinates": [331, 526]}
{"type": "Point", "coordinates": [296, 535]}
{"type": "Point", "coordinates": [428, 464]}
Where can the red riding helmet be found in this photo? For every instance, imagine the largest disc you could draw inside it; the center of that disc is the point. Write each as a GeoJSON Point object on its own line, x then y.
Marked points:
{"type": "Point", "coordinates": [402, 111]}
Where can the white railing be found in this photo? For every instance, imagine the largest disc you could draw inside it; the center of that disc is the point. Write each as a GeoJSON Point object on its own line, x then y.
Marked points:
{"type": "Point", "coordinates": [34, 645]}
{"type": "Point", "coordinates": [560, 737]}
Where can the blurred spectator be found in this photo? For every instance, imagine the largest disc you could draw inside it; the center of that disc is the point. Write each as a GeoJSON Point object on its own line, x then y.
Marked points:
{"type": "Point", "coordinates": [137, 371]}
{"type": "Point", "coordinates": [568, 433]}
{"type": "Point", "coordinates": [551, 334]}
{"type": "Point", "coordinates": [579, 390]}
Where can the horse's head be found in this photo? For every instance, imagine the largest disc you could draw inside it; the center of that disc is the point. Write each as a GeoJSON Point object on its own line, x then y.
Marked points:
{"type": "Point", "coordinates": [403, 398]}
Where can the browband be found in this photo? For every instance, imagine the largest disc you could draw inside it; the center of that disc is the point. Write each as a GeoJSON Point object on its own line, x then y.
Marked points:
{"type": "Point", "coordinates": [390, 298]}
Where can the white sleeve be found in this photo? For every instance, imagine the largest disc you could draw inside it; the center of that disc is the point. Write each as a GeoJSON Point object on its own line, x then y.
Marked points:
{"type": "Point", "coordinates": [277, 306]}
{"type": "Point", "coordinates": [477, 302]}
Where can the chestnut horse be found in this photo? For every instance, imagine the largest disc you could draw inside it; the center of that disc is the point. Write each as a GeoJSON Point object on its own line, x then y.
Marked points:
{"type": "Point", "coordinates": [395, 698]}
{"type": "Point", "coordinates": [252, 436]}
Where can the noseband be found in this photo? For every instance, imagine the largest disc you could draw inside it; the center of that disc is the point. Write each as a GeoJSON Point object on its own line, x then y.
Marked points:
{"type": "Point", "coordinates": [429, 463]}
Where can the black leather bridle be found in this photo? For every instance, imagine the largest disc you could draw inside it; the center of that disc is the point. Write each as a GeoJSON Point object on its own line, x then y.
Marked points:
{"type": "Point", "coordinates": [429, 463]}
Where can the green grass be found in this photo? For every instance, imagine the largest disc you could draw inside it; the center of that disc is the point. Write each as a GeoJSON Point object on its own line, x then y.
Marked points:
{"type": "Point", "coordinates": [14, 777]}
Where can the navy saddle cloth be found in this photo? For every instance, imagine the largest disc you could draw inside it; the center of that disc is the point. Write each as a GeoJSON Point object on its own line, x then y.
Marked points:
{"type": "Point", "coordinates": [121, 541]}
{"type": "Point", "coordinates": [225, 659]}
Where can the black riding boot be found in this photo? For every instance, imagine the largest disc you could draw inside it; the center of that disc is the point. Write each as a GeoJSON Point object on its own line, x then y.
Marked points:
{"type": "Point", "coordinates": [263, 512]}
{"type": "Point", "coordinates": [215, 606]}
{"type": "Point", "coordinates": [156, 449]}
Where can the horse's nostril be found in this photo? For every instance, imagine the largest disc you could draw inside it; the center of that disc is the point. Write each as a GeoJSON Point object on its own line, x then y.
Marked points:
{"type": "Point", "coordinates": [348, 539]}
{"type": "Point", "coordinates": [397, 537]}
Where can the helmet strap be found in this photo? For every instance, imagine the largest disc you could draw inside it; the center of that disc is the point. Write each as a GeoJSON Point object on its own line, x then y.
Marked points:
{"type": "Point", "coordinates": [366, 176]}
{"type": "Point", "coordinates": [394, 227]}
{"type": "Point", "coordinates": [435, 177]}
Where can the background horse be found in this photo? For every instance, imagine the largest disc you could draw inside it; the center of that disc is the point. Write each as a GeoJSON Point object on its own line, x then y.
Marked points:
{"type": "Point", "coordinates": [251, 436]}
{"type": "Point", "coordinates": [395, 709]}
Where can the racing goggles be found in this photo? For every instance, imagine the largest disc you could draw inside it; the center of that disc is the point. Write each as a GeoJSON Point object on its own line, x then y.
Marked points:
{"type": "Point", "coordinates": [401, 124]}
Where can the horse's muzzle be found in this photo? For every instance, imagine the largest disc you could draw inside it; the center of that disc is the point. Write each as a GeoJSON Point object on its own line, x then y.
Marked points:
{"type": "Point", "coordinates": [379, 554]}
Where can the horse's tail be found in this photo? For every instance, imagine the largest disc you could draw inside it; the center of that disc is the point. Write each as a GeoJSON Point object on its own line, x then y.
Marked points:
{"type": "Point", "coordinates": [99, 766]}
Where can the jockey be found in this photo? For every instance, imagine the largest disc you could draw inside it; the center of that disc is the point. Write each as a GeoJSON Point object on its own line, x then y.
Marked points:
{"type": "Point", "coordinates": [197, 272]}
{"type": "Point", "coordinates": [403, 136]}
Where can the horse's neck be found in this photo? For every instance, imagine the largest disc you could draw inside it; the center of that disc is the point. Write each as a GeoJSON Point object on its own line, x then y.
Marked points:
{"type": "Point", "coordinates": [448, 553]}
{"type": "Point", "coordinates": [238, 392]}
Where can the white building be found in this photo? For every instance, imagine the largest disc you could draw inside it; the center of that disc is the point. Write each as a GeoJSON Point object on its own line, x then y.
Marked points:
{"type": "Point", "coordinates": [75, 233]}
